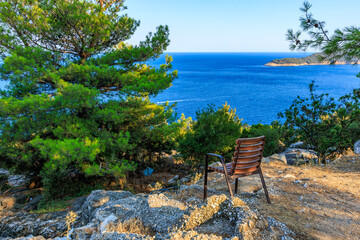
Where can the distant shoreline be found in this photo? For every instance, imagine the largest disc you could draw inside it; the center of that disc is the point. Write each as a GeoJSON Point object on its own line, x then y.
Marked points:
{"type": "Point", "coordinates": [272, 64]}
{"type": "Point", "coordinates": [314, 59]}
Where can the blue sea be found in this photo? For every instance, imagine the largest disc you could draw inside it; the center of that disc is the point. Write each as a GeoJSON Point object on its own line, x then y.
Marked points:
{"type": "Point", "coordinates": [257, 92]}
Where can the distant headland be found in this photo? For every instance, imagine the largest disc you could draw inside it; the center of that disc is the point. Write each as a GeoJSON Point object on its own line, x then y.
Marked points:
{"type": "Point", "coordinates": [314, 59]}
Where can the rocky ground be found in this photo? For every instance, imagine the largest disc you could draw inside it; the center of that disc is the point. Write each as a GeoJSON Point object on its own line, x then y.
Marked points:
{"type": "Point", "coordinates": [315, 202]}
{"type": "Point", "coordinates": [308, 202]}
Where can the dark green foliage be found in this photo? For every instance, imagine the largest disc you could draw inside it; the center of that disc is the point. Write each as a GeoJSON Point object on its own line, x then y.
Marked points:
{"type": "Point", "coordinates": [327, 126]}
{"type": "Point", "coordinates": [343, 45]}
{"type": "Point", "coordinates": [77, 100]}
{"type": "Point", "coordinates": [214, 131]}
{"type": "Point", "coordinates": [271, 134]}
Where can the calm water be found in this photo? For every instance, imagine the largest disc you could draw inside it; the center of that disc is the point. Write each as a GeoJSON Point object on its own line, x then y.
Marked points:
{"type": "Point", "coordinates": [256, 91]}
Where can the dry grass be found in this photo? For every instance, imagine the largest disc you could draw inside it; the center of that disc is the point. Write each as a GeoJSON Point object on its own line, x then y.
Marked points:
{"type": "Point", "coordinates": [160, 200]}
{"type": "Point", "coordinates": [132, 225]}
{"type": "Point", "coordinates": [204, 213]}
{"type": "Point", "coordinates": [316, 202]}
{"type": "Point", "coordinates": [193, 235]}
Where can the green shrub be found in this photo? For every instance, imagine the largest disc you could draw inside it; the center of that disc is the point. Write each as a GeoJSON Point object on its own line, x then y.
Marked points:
{"type": "Point", "coordinates": [271, 134]}
{"type": "Point", "coordinates": [214, 131]}
{"type": "Point", "coordinates": [329, 127]}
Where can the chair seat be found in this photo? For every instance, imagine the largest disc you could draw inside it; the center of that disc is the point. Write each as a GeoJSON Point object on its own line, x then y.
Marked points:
{"type": "Point", "coordinates": [221, 168]}
{"type": "Point", "coordinates": [240, 172]}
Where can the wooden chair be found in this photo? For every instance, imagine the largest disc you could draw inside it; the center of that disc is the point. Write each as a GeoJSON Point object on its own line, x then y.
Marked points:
{"type": "Point", "coordinates": [246, 161]}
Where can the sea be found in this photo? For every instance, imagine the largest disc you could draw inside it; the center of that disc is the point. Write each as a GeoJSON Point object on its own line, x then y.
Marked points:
{"type": "Point", "coordinates": [257, 92]}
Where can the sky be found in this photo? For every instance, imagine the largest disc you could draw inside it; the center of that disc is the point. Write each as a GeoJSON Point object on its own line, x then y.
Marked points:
{"type": "Point", "coordinates": [234, 25]}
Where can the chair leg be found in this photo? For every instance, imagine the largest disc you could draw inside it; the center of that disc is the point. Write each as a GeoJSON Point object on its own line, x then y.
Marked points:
{"type": "Point", "coordinates": [229, 186]}
{"type": "Point", "coordinates": [205, 177]}
{"type": "Point", "coordinates": [264, 186]}
{"type": "Point", "coordinates": [236, 185]}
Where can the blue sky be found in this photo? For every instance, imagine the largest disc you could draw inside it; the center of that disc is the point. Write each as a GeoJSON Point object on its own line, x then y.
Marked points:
{"type": "Point", "coordinates": [234, 25]}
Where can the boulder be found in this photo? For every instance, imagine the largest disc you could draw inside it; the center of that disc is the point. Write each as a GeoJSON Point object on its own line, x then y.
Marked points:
{"type": "Point", "coordinates": [24, 224]}
{"type": "Point", "coordinates": [4, 172]}
{"type": "Point", "coordinates": [276, 158]}
{"type": "Point", "coordinates": [97, 199]}
{"type": "Point", "coordinates": [233, 217]}
{"type": "Point", "coordinates": [301, 145]}
{"type": "Point", "coordinates": [357, 147]}
{"type": "Point", "coordinates": [297, 145]}
{"type": "Point", "coordinates": [157, 212]}
{"type": "Point", "coordinates": [216, 164]}
{"type": "Point", "coordinates": [18, 180]}
{"type": "Point", "coordinates": [33, 203]}
{"type": "Point", "coordinates": [165, 214]}
{"type": "Point", "coordinates": [174, 180]}
{"type": "Point", "coordinates": [185, 180]}
{"type": "Point", "coordinates": [297, 156]}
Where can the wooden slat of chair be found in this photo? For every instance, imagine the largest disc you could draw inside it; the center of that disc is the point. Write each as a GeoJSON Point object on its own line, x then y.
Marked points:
{"type": "Point", "coordinates": [246, 161]}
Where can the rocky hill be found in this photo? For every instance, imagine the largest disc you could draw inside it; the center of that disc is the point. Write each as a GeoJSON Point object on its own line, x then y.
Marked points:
{"type": "Point", "coordinates": [314, 59]}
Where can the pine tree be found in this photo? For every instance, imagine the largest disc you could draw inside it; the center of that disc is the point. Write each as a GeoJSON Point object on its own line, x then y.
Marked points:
{"type": "Point", "coordinates": [342, 45]}
{"type": "Point", "coordinates": [77, 96]}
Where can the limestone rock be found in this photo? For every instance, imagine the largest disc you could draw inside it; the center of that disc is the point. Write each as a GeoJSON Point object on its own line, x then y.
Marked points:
{"type": "Point", "coordinates": [4, 172]}
{"type": "Point", "coordinates": [99, 198]}
{"type": "Point", "coordinates": [23, 224]}
{"type": "Point", "coordinates": [297, 156]}
{"type": "Point", "coordinates": [297, 145]}
{"type": "Point", "coordinates": [357, 147]}
{"type": "Point", "coordinates": [33, 203]}
{"type": "Point", "coordinates": [278, 158]}
{"type": "Point", "coordinates": [104, 215]}
{"type": "Point", "coordinates": [173, 181]}
{"type": "Point", "coordinates": [18, 180]}
{"type": "Point", "coordinates": [165, 214]}
{"type": "Point", "coordinates": [216, 164]}
{"type": "Point", "coordinates": [185, 180]}
{"type": "Point", "coordinates": [113, 236]}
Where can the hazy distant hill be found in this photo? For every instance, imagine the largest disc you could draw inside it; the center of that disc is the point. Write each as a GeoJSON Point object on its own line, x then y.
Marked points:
{"type": "Point", "coordinates": [314, 59]}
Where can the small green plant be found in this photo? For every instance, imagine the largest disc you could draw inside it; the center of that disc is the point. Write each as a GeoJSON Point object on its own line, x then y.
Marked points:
{"type": "Point", "coordinates": [214, 131]}
{"type": "Point", "coordinates": [47, 206]}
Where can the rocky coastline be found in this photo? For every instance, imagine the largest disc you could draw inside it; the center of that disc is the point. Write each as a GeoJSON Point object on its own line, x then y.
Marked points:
{"type": "Point", "coordinates": [314, 59]}
{"type": "Point", "coordinates": [273, 64]}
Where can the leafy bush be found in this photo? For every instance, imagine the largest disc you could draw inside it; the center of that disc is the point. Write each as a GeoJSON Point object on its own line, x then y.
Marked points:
{"type": "Point", "coordinates": [329, 127]}
{"type": "Point", "coordinates": [214, 131]}
{"type": "Point", "coordinates": [271, 134]}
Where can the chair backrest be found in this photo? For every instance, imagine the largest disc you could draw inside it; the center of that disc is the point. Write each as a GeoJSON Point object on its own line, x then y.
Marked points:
{"type": "Point", "coordinates": [247, 156]}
